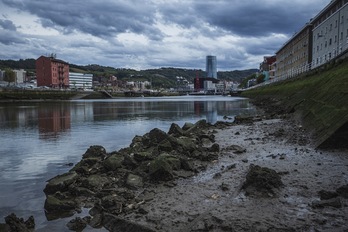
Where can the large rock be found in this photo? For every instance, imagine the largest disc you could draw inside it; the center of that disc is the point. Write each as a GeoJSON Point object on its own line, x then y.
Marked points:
{"type": "Point", "coordinates": [95, 151]}
{"type": "Point", "coordinates": [175, 130]}
{"type": "Point", "coordinates": [94, 182]}
{"type": "Point", "coordinates": [113, 162]}
{"type": "Point", "coordinates": [261, 181]}
{"type": "Point", "coordinates": [161, 169]}
{"type": "Point", "coordinates": [54, 203]}
{"type": "Point", "coordinates": [60, 182]}
{"type": "Point", "coordinates": [13, 223]}
{"type": "Point", "coordinates": [197, 127]}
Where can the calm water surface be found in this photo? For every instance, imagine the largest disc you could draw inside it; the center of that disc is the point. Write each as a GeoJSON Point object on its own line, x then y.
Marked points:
{"type": "Point", "coordinates": [39, 139]}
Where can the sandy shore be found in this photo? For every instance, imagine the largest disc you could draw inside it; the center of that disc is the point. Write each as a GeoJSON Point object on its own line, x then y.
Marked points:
{"type": "Point", "coordinates": [214, 200]}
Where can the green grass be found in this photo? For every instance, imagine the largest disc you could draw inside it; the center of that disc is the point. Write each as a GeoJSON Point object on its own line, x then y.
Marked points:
{"type": "Point", "coordinates": [319, 98]}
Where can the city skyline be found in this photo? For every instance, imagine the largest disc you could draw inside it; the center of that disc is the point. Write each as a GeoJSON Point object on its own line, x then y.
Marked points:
{"type": "Point", "coordinates": [152, 34]}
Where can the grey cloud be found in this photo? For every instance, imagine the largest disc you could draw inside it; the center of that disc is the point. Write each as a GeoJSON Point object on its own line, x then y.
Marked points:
{"type": "Point", "coordinates": [256, 18]}
{"type": "Point", "coordinates": [11, 37]}
{"type": "Point", "coordinates": [93, 17]}
{"type": "Point", "coordinates": [7, 25]}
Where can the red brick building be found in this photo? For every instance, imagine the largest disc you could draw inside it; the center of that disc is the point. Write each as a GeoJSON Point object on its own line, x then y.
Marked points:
{"type": "Point", "coordinates": [52, 72]}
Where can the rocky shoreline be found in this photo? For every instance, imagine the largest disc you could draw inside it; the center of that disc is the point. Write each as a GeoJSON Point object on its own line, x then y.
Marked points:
{"type": "Point", "coordinates": [255, 174]}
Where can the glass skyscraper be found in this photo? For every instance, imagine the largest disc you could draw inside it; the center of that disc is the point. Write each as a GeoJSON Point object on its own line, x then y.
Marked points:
{"type": "Point", "coordinates": [211, 67]}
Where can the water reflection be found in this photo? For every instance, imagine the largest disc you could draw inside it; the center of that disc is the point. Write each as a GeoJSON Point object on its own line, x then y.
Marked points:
{"type": "Point", "coordinates": [53, 121]}
{"type": "Point", "coordinates": [39, 138]}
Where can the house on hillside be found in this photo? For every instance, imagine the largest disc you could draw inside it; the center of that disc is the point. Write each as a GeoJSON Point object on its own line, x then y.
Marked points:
{"type": "Point", "coordinates": [266, 67]}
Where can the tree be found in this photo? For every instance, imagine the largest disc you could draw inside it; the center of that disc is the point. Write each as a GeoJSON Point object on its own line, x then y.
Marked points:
{"type": "Point", "coordinates": [260, 78]}
{"type": "Point", "coordinates": [10, 76]}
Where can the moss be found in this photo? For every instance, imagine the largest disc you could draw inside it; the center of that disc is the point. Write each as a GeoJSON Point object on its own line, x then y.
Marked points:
{"type": "Point", "coordinates": [320, 98]}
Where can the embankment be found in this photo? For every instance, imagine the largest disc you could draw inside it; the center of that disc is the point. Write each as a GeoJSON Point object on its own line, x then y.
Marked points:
{"type": "Point", "coordinates": [319, 100]}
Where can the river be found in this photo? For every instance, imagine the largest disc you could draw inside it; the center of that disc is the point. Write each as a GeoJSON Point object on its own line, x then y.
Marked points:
{"type": "Point", "coordinates": [40, 140]}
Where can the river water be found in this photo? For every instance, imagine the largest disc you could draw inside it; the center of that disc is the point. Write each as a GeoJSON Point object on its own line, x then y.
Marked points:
{"type": "Point", "coordinates": [39, 139]}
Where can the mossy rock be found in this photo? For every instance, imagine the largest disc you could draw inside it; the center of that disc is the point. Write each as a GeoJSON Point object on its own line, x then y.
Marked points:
{"type": "Point", "coordinates": [94, 182]}
{"type": "Point", "coordinates": [134, 181]}
{"type": "Point", "coordinates": [60, 182]}
{"type": "Point", "coordinates": [161, 169]}
{"type": "Point", "coordinates": [262, 181]}
{"type": "Point", "coordinates": [95, 151]}
{"type": "Point", "coordinates": [113, 162]}
{"type": "Point", "coordinates": [53, 203]}
{"type": "Point", "coordinates": [175, 130]}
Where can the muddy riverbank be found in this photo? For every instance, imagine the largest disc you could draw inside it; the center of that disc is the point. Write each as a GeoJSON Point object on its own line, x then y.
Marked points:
{"type": "Point", "coordinates": [197, 181]}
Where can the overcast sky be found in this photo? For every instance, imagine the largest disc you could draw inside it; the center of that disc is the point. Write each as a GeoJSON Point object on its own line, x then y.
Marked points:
{"type": "Point", "coordinates": [143, 34]}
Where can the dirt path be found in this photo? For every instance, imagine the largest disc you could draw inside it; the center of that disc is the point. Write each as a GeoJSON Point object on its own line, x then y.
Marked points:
{"type": "Point", "coordinates": [214, 201]}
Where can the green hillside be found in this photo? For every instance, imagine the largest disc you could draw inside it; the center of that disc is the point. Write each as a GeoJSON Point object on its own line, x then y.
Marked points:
{"type": "Point", "coordinates": [161, 77]}
{"type": "Point", "coordinates": [319, 99]}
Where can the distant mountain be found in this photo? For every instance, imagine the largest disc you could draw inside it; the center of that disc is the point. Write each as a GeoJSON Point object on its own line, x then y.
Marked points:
{"type": "Point", "coordinates": [166, 76]}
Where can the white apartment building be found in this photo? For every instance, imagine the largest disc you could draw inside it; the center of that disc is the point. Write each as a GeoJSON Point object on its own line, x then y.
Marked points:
{"type": "Point", "coordinates": [330, 33]}
{"type": "Point", "coordinates": [80, 80]}
{"type": "Point", "coordinates": [21, 76]}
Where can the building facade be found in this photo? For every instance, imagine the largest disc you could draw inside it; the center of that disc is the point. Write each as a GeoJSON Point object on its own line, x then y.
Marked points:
{"type": "Point", "coordinates": [323, 38]}
{"type": "Point", "coordinates": [266, 67]}
{"type": "Point", "coordinates": [52, 72]}
{"type": "Point", "coordinates": [80, 80]}
{"type": "Point", "coordinates": [330, 32]}
{"type": "Point", "coordinates": [21, 76]}
{"type": "Point", "coordinates": [211, 67]}
{"type": "Point", "coordinates": [295, 56]}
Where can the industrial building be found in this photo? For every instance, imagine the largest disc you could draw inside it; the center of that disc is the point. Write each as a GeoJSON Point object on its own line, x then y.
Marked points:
{"type": "Point", "coordinates": [80, 80]}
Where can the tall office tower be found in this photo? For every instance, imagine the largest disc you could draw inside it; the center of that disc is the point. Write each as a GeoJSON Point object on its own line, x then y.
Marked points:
{"type": "Point", "coordinates": [211, 67]}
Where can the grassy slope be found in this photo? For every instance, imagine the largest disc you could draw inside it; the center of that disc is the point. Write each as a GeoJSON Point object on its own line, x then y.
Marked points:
{"type": "Point", "coordinates": [319, 98]}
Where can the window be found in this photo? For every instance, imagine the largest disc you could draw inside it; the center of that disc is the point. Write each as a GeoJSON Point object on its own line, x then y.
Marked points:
{"type": "Point", "coordinates": [330, 41]}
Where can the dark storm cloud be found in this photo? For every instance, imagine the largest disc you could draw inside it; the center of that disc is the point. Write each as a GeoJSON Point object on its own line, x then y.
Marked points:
{"type": "Point", "coordinates": [256, 18]}
{"type": "Point", "coordinates": [93, 17]}
{"type": "Point", "coordinates": [10, 37]}
{"type": "Point", "coordinates": [7, 25]}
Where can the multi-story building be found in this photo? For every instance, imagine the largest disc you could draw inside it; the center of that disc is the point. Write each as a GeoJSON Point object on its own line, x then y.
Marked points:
{"type": "Point", "coordinates": [330, 32]}
{"type": "Point", "coordinates": [2, 74]}
{"type": "Point", "coordinates": [80, 80]}
{"type": "Point", "coordinates": [295, 56]}
{"type": "Point", "coordinates": [21, 76]}
{"type": "Point", "coordinates": [323, 38]}
{"type": "Point", "coordinates": [211, 68]}
{"type": "Point", "coordinates": [266, 66]}
{"type": "Point", "coordinates": [52, 72]}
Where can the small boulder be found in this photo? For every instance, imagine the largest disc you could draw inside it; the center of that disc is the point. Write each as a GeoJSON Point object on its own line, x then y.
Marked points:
{"type": "Point", "coordinates": [77, 224]}
{"type": "Point", "coordinates": [261, 181]}
{"type": "Point", "coordinates": [343, 191]}
{"type": "Point", "coordinates": [161, 169]}
{"type": "Point", "coordinates": [95, 151]}
{"type": "Point", "coordinates": [114, 223]}
{"type": "Point", "coordinates": [134, 181]}
{"type": "Point", "coordinates": [113, 162]}
{"type": "Point", "coordinates": [60, 182]}
{"type": "Point", "coordinates": [175, 130]}
{"type": "Point", "coordinates": [18, 224]}
{"type": "Point", "coordinates": [53, 203]}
